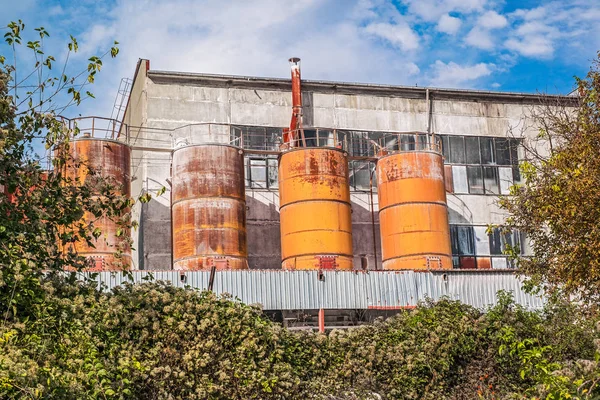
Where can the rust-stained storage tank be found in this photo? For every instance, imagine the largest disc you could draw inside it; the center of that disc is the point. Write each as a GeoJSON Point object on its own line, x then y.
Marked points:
{"type": "Point", "coordinates": [111, 160]}
{"type": "Point", "coordinates": [316, 225]}
{"type": "Point", "coordinates": [209, 208]}
{"type": "Point", "coordinates": [413, 213]}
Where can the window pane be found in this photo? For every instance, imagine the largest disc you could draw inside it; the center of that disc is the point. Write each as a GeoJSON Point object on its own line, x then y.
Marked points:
{"type": "Point", "coordinates": [235, 136]}
{"type": "Point", "coordinates": [457, 150]}
{"type": "Point", "coordinates": [490, 178]}
{"type": "Point", "coordinates": [516, 175]}
{"type": "Point", "coordinates": [255, 137]}
{"type": "Point", "coordinates": [468, 263]}
{"type": "Point", "coordinates": [390, 142]}
{"type": "Point", "coordinates": [514, 151]}
{"type": "Point", "coordinates": [258, 173]}
{"type": "Point", "coordinates": [445, 149]}
{"type": "Point", "coordinates": [505, 175]}
{"type": "Point", "coordinates": [359, 144]}
{"type": "Point", "coordinates": [343, 139]}
{"type": "Point", "coordinates": [499, 241]}
{"type": "Point", "coordinates": [310, 138]}
{"type": "Point", "coordinates": [502, 152]}
{"type": "Point", "coordinates": [475, 178]}
{"type": "Point", "coordinates": [273, 173]}
{"type": "Point", "coordinates": [459, 179]}
{"type": "Point", "coordinates": [359, 175]}
{"type": "Point", "coordinates": [487, 150]}
{"type": "Point", "coordinates": [247, 171]}
{"type": "Point", "coordinates": [422, 142]}
{"type": "Point", "coordinates": [495, 242]}
{"type": "Point", "coordinates": [462, 237]}
{"type": "Point", "coordinates": [274, 136]}
{"type": "Point", "coordinates": [407, 142]}
{"type": "Point", "coordinates": [472, 150]}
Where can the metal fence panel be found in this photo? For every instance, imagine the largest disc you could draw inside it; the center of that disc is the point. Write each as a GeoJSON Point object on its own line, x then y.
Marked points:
{"type": "Point", "coordinates": [297, 290]}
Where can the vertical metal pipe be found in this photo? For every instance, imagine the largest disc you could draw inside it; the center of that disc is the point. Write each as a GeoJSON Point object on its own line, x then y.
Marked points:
{"type": "Point", "coordinates": [373, 217]}
{"type": "Point", "coordinates": [211, 279]}
{"type": "Point", "coordinates": [428, 110]}
{"type": "Point", "coordinates": [321, 320]}
{"type": "Point", "coordinates": [291, 135]}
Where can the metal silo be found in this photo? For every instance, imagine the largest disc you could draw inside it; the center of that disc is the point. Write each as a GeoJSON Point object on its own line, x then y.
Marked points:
{"type": "Point", "coordinates": [413, 213]}
{"type": "Point", "coordinates": [316, 222]}
{"type": "Point", "coordinates": [111, 160]}
{"type": "Point", "coordinates": [208, 208]}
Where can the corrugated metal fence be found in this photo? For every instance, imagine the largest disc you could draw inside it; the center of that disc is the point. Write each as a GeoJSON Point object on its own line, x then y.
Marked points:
{"type": "Point", "coordinates": [297, 290]}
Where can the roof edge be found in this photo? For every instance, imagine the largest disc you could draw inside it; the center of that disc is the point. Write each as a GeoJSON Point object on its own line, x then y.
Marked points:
{"type": "Point", "coordinates": [170, 77]}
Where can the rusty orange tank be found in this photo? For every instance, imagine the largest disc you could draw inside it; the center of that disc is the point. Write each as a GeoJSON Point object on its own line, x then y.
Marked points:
{"type": "Point", "coordinates": [413, 214]}
{"type": "Point", "coordinates": [111, 160]}
{"type": "Point", "coordinates": [315, 212]}
{"type": "Point", "coordinates": [209, 208]}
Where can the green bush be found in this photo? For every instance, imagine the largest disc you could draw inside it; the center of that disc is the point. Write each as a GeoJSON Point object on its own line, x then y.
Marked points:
{"type": "Point", "coordinates": [155, 341]}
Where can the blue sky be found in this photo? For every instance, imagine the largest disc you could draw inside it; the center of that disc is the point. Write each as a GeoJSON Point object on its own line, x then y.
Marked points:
{"type": "Point", "coordinates": [523, 46]}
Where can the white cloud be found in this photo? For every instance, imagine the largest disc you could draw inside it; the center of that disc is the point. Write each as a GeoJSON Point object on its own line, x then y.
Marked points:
{"type": "Point", "coordinates": [448, 24]}
{"type": "Point", "coordinates": [532, 46]}
{"type": "Point", "coordinates": [254, 38]}
{"type": "Point", "coordinates": [399, 35]}
{"type": "Point", "coordinates": [495, 85]}
{"type": "Point", "coordinates": [458, 76]}
{"type": "Point", "coordinates": [432, 10]}
{"type": "Point", "coordinates": [569, 26]}
{"type": "Point", "coordinates": [492, 20]}
{"type": "Point", "coordinates": [480, 38]}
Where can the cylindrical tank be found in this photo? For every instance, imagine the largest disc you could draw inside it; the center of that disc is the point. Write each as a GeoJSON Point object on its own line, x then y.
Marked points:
{"type": "Point", "coordinates": [316, 223]}
{"type": "Point", "coordinates": [110, 160]}
{"type": "Point", "coordinates": [209, 208]}
{"type": "Point", "coordinates": [413, 213]}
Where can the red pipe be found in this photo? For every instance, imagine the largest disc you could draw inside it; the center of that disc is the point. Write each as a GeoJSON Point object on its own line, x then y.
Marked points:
{"type": "Point", "coordinates": [321, 320]}
{"type": "Point", "coordinates": [290, 136]}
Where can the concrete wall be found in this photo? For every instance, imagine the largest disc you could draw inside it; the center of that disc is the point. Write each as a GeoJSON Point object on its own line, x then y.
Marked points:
{"type": "Point", "coordinates": [165, 109]}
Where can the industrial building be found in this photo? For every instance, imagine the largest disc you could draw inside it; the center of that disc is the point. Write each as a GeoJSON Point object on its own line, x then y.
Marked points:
{"type": "Point", "coordinates": [365, 177]}
{"type": "Point", "coordinates": [480, 133]}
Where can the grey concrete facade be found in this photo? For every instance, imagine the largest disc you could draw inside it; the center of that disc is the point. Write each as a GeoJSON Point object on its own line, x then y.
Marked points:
{"type": "Point", "coordinates": [165, 107]}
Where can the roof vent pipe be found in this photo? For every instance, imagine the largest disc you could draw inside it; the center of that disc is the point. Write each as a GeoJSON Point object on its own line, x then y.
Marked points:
{"type": "Point", "coordinates": [290, 136]}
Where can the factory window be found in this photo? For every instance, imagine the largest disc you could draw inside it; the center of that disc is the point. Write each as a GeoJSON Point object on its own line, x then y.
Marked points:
{"type": "Point", "coordinates": [472, 150]}
{"type": "Point", "coordinates": [256, 137]}
{"type": "Point", "coordinates": [445, 148]}
{"type": "Point", "coordinates": [500, 241]}
{"type": "Point", "coordinates": [472, 247]}
{"type": "Point", "coordinates": [457, 149]}
{"type": "Point", "coordinates": [477, 158]}
{"type": "Point", "coordinates": [463, 242]}
{"type": "Point", "coordinates": [478, 150]}
{"type": "Point", "coordinates": [475, 179]}
{"type": "Point", "coordinates": [310, 138]}
{"type": "Point", "coordinates": [360, 175]}
{"type": "Point", "coordinates": [490, 180]}
{"type": "Point", "coordinates": [407, 142]}
{"type": "Point", "coordinates": [261, 172]}
{"type": "Point", "coordinates": [487, 150]}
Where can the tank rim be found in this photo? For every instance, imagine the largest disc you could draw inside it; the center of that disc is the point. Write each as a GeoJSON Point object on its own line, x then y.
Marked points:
{"type": "Point", "coordinates": [329, 148]}
{"type": "Point", "coordinates": [408, 152]}
{"type": "Point", "coordinates": [83, 139]}
{"type": "Point", "coordinates": [205, 145]}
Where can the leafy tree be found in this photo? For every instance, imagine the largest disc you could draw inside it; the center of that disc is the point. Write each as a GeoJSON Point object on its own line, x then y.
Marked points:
{"type": "Point", "coordinates": [558, 203]}
{"type": "Point", "coordinates": [41, 211]}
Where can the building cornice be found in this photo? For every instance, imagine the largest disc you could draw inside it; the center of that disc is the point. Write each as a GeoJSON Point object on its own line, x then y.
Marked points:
{"type": "Point", "coordinates": [409, 92]}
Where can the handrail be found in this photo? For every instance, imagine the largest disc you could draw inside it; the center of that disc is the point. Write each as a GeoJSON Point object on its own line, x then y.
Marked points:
{"type": "Point", "coordinates": [356, 143]}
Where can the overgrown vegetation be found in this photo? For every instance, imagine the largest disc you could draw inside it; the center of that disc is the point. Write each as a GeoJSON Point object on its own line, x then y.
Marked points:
{"type": "Point", "coordinates": [558, 204]}
{"type": "Point", "coordinates": [154, 341]}
{"type": "Point", "coordinates": [65, 339]}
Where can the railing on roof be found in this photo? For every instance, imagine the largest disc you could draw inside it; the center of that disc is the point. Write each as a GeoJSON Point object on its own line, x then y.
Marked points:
{"type": "Point", "coordinates": [357, 143]}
